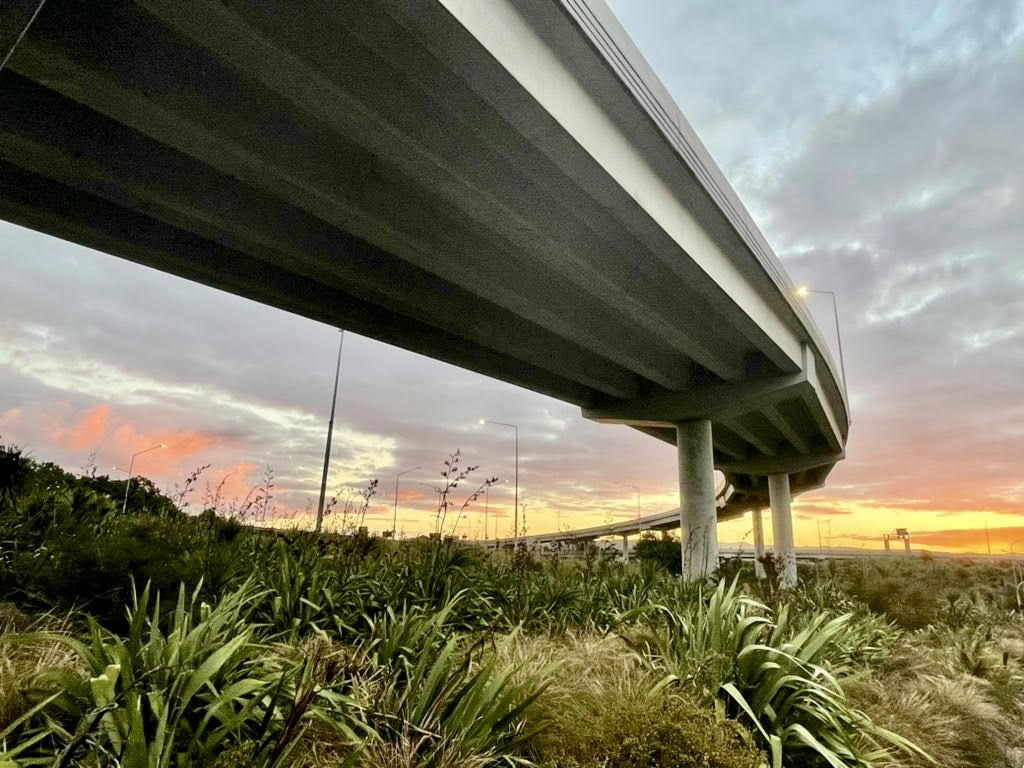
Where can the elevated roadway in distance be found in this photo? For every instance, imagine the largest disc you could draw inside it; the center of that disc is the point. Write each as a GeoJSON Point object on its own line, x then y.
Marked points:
{"type": "Point", "coordinates": [505, 186]}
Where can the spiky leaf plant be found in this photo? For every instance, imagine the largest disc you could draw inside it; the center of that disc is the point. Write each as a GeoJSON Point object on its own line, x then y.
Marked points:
{"type": "Point", "coordinates": [777, 679]}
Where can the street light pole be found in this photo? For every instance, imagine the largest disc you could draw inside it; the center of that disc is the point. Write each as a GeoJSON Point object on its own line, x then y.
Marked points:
{"type": "Point", "coordinates": [516, 428]}
{"type": "Point", "coordinates": [330, 431]}
{"type": "Point", "coordinates": [131, 466]}
{"type": "Point", "coordinates": [803, 291]}
{"type": "Point", "coordinates": [394, 520]}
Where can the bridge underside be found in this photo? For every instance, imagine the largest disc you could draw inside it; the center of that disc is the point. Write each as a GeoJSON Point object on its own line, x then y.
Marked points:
{"type": "Point", "coordinates": [491, 192]}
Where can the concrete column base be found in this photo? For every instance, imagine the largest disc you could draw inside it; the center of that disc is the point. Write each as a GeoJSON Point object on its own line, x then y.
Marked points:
{"type": "Point", "coordinates": [758, 526]}
{"type": "Point", "coordinates": [698, 515]}
{"type": "Point", "coordinates": [782, 528]}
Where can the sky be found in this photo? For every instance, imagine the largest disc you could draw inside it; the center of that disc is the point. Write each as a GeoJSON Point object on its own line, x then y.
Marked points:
{"type": "Point", "coordinates": [878, 146]}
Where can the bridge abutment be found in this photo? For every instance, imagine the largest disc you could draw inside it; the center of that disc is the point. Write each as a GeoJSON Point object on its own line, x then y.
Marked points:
{"type": "Point", "coordinates": [782, 528]}
{"type": "Point", "coordinates": [758, 526]}
{"type": "Point", "coordinates": [698, 514]}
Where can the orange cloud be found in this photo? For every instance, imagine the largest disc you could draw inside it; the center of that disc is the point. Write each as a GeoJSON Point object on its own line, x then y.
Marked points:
{"type": "Point", "coordinates": [179, 446]}
{"type": "Point", "coordinates": [90, 429]}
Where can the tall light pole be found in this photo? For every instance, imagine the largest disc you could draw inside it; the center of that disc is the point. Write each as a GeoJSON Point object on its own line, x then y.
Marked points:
{"type": "Point", "coordinates": [330, 431]}
{"type": "Point", "coordinates": [516, 428]}
{"type": "Point", "coordinates": [803, 291]}
{"type": "Point", "coordinates": [131, 466]}
{"type": "Point", "coordinates": [394, 520]}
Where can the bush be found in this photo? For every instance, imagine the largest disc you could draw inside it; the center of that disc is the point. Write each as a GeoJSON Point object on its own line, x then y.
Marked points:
{"type": "Point", "coordinates": [782, 682]}
{"type": "Point", "coordinates": [663, 550]}
{"type": "Point", "coordinates": [668, 731]}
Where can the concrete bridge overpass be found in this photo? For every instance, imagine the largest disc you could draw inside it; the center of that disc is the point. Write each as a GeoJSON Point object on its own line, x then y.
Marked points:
{"type": "Point", "coordinates": [502, 185]}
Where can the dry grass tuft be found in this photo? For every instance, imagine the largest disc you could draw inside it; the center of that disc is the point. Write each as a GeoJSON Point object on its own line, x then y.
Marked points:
{"type": "Point", "coordinates": [21, 660]}
{"type": "Point", "coordinates": [600, 711]}
{"type": "Point", "coordinates": [956, 721]}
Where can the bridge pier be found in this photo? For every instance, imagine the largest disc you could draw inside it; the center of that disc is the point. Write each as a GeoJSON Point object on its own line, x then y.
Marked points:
{"type": "Point", "coordinates": [698, 515]}
{"type": "Point", "coordinates": [782, 528]}
{"type": "Point", "coordinates": [625, 548]}
{"type": "Point", "coordinates": [758, 526]}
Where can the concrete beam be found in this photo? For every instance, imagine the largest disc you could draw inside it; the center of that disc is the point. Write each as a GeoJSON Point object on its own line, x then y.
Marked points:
{"type": "Point", "coordinates": [756, 439]}
{"type": "Point", "coordinates": [717, 401]}
{"type": "Point", "coordinates": [318, 82]}
{"type": "Point", "coordinates": [774, 415]}
{"type": "Point", "coordinates": [519, 37]}
{"type": "Point", "coordinates": [32, 202]}
{"type": "Point", "coordinates": [349, 193]}
{"type": "Point", "coordinates": [729, 443]}
{"type": "Point", "coordinates": [777, 464]}
{"type": "Point", "coordinates": [100, 162]}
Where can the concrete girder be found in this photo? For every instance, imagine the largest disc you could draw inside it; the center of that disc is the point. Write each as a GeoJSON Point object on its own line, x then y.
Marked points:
{"type": "Point", "coordinates": [211, 210]}
{"type": "Point", "coordinates": [717, 401]}
{"type": "Point", "coordinates": [26, 199]}
{"type": "Point", "coordinates": [329, 199]}
{"type": "Point", "coordinates": [773, 413]}
{"type": "Point", "coordinates": [154, 110]}
{"type": "Point", "coordinates": [776, 464]}
{"type": "Point", "coordinates": [234, 34]}
{"type": "Point", "coordinates": [760, 441]}
{"type": "Point", "coordinates": [532, 41]}
{"type": "Point", "coordinates": [728, 443]}
{"type": "Point", "coordinates": [821, 411]}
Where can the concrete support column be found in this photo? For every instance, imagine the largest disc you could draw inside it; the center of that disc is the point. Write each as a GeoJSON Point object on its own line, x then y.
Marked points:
{"type": "Point", "coordinates": [698, 515]}
{"type": "Point", "coordinates": [625, 548]}
{"type": "Point", "coordinates": [758, 526]}
{"type": "Point", "coordinates": [782, 528]}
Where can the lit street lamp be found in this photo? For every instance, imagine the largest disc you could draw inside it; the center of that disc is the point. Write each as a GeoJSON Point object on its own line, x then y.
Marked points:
{"type": "Point", "coordinates": [803, 291]}
{"type": "Point", "coordinates": [516, 428]}
{"type": "Point", "coordinates": [131, 466]}
{"type": "Point", "coordinates": [394, 520]}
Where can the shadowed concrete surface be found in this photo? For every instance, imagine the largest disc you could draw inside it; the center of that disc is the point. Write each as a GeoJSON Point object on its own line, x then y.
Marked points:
{"type": "Point", "coordinates": [505, 186]}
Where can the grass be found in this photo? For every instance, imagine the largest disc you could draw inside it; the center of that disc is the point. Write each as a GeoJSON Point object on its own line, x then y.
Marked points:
{"type": "Point", "coordinates": [235, 647]}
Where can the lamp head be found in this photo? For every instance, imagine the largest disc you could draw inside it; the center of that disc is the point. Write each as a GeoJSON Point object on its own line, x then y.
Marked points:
{"type": "Point", "coordinates": [482, 421]}
{"type": "Point", "coordinates": [163, 445]}
{"type": "Point", "coordinates": [802, 291]}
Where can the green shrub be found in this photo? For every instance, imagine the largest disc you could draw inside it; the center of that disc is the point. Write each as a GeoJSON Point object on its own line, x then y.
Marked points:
{"type": "Point", "coordinates": [782, 682]}
{"type": "Point", "coordinates": [668, 731]}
